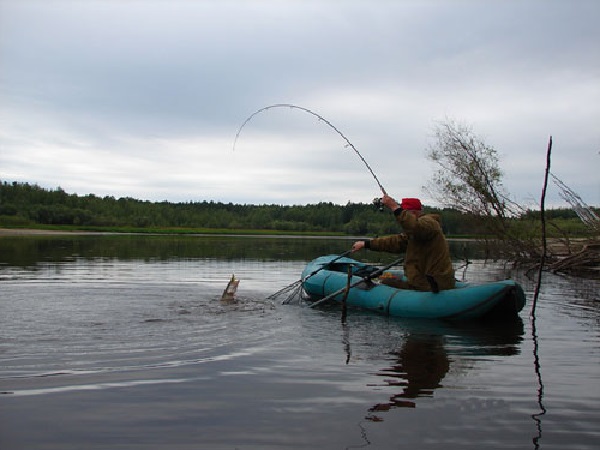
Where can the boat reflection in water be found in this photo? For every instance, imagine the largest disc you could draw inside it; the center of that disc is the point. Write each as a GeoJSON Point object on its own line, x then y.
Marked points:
{"type": "Point", "coordinates": [420, 365]}
{"type": "Point", "coordinates": [428, 352]}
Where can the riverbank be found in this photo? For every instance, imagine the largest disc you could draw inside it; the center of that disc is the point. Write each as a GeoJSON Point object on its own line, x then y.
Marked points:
{"type": "Point", "coordinates": [231, 233]}
{"type": "Point", "coordinates": [40, 232]}
{"type": "Point", "coordinates": [557, 246]}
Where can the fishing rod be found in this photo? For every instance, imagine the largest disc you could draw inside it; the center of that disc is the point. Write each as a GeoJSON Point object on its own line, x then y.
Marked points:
{"type": "Point", "coordinates": [321, 118]}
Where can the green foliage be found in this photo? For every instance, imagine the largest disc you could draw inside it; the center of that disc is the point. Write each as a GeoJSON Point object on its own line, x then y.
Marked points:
{"type": "Point", "coordinates": [25, 205]}
{"type": "Point", "coordinates": [35, 205]}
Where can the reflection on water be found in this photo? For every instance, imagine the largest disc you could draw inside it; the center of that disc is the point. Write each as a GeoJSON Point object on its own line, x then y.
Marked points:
{"type": "Point", "coordinates": [537, 417]}
{"type": "Point", "coordinates": [419, 367]}
{"type": "Point", "coordinates": [107, 341]}
{"type": "Point", "coordinates": [29, 251]}
{"type": "Point", "coordinates": [429, 349]}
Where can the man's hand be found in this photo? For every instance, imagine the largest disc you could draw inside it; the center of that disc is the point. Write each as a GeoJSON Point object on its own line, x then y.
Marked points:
{"type": "Point", "coordinates": [358, 245]}
{"type": "Point", "coordinates": [389, 202]}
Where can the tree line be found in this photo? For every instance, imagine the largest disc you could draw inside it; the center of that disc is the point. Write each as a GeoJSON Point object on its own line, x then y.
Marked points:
{"type": "Point", "coordinates": [24, 204]}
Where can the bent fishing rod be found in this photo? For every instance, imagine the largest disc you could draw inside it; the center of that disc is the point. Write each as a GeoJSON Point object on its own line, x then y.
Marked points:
{"type": "Point", "coordinates": [322, 119]}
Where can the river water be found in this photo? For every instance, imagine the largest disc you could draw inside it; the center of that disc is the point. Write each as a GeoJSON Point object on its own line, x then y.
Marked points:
{"type": "Point", "coordinates": [114, 342]}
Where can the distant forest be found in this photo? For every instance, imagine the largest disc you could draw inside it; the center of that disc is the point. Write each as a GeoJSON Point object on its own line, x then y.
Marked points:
{"type": "Point", "coordinates": [29, 205]}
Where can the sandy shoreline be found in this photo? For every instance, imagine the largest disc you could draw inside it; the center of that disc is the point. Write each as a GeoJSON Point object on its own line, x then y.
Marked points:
{"type": "Point", "coordinates": [8, 232]}
{"type": "Point", "coordinates": [36, 232]}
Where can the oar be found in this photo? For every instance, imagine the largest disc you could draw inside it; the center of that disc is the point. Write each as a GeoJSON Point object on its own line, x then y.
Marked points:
{"type": "Point", "coordinates": [314, 272]}
{"type": "Point", "coordinates": [344, 304]}
{"type": "Point", "coordinates": [374, 274]}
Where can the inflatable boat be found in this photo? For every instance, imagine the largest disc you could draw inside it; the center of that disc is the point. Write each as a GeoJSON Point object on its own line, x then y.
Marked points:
{"type": "Point", "coordinates": [341, 279]}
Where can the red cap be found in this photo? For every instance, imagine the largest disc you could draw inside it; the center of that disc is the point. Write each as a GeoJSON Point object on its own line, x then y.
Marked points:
{"type": "Point", "coordinates": [411, 204]}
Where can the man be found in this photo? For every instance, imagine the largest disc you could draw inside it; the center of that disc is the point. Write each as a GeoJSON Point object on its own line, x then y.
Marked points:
{"type": "Point", "coordinates": [427, 263]}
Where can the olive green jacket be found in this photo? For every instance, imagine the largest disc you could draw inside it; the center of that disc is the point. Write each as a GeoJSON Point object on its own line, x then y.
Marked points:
{"type": "Point", "coordinates": [426, 248]}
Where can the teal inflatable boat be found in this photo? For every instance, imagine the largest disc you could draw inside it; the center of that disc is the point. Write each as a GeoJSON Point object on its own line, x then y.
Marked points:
{"type": "Point", "coordinates": [326, 278]}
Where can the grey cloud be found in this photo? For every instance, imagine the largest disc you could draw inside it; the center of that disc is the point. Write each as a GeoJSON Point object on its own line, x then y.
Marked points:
{"type": "Point", "coordinates": [100, 75]}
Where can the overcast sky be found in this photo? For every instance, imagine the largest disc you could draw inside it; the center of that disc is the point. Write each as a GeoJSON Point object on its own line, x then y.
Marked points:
{"type": "Point", "coordinates": [143, 98]}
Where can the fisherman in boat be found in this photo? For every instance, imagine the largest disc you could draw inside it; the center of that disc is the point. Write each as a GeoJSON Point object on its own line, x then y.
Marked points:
{"type": "Point", "coordinates": [427, 263]}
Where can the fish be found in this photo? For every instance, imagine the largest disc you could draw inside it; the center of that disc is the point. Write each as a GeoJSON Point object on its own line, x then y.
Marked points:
{"type": "Point", "coordinates": [228, 296]}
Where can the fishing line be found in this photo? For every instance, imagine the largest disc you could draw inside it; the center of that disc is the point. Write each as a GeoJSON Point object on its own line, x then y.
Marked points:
{"type": "Point", "coordinates": [321, 118]}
